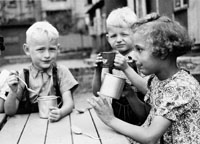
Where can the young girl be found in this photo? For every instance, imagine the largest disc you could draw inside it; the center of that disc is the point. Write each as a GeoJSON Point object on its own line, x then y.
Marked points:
{"type": "Point", "coordinates": [174, 95]}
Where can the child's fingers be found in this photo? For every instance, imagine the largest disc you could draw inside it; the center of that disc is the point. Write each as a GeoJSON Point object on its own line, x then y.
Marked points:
{"type": "Point", "coordinates": [53, 110]}
{"type": "Point", "coordinates": [93, 102]}
{"type": "Point", "coordinates": [14, 72]}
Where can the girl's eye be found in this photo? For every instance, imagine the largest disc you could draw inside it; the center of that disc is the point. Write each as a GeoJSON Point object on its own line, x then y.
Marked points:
{"type": "Point", "coordinates": [138, 49]}
{"type": "Point", "coordinates": [125, 34]}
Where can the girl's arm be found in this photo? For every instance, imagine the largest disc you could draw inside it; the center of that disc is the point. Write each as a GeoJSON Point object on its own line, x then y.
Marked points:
{"type": "Point", "coordinates": [148, 135]}
{"type": "Point", "coordinates": [136, 79]}
{"type": "Point", "coordinates": [139, 82]}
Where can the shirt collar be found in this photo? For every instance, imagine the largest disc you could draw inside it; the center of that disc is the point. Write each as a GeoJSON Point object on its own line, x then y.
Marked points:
{"type": "Point", "coordinates": [35, 72]}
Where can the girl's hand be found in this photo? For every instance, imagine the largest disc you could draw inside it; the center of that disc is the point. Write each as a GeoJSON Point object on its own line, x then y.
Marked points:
{"type": "Point", "coordinates": [102, 107]}
{"type": "Point", "coordinates": [120, 62]}
{"type": "Point", "coordinates": [13, 81]}
{"type": "Point", "coordinates": [55, 114]}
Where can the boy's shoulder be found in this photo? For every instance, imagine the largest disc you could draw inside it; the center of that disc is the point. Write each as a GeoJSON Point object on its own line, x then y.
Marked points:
{"type": "Point", "coordinates": [58, 67]}
{"type": "Point", "coordinates": [61, 68]}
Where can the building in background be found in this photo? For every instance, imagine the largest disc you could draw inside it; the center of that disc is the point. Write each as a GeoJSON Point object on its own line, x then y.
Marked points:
{"type": "Point", "coordinates": [184, 11]}
{"type": "Point", "coordinates": [68, 16]}
{"type": "Point", "coordinates": [86, 17]}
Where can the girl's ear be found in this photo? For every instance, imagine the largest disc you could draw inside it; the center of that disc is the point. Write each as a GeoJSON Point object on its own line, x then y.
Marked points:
{"type": "Point", "coordinates": [164, 55]}
{"type": "Point", "coordinates": [26, 49]}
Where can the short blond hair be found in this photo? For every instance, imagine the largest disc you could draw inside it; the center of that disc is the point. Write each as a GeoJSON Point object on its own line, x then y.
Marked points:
{"type": "Point", "coordinates": [121, 17]}
{"type": "Point", "coordinates": [41, 27]}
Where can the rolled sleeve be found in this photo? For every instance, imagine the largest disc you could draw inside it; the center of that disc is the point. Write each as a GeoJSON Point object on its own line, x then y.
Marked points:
{"type": "Point", "coordinates": [66, 79]}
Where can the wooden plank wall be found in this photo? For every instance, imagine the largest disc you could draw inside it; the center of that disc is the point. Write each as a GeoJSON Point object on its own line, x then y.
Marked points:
{"type": "Point", "coordinates": [194, 20]}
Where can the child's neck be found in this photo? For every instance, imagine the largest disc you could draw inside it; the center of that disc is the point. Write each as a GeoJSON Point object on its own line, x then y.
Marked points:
{"type": "Point", "coordinates": [41, 69]}
{"type": "Point", "coordinates": [126, 52]}
{"type": "Point", "coordinates": [167, 72]}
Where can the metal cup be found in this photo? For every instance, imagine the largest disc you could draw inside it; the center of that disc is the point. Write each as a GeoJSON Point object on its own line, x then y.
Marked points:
{"type": "Point", "coordinates": [112, 86]}
{"type": "Point", "coordinates": [44, 104]}
{"type": "Point", "coordinates": [108, 59]}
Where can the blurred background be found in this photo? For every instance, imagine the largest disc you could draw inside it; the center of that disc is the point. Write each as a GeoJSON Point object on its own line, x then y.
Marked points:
{"type": "Point", "coordinates": [81, 24]}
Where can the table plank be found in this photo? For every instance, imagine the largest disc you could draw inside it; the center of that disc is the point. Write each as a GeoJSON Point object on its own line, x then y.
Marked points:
{"type": "Point", "coordinates": [84, 122]}
{"type": "Point", "coordinates": [108, 135]}
{"type": "Point", "coordinates": [35, 130]}
{"type": "Point", "coordinates": [59, 132]}
{"type": "Point", "coordinates": [2, 119]}
{"type": "Point", "coordinates": [11, 131]}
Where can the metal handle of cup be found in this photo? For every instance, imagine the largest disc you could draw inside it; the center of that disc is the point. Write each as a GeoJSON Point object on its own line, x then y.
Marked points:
{"type": "Point", "coordinates": [60, 101]}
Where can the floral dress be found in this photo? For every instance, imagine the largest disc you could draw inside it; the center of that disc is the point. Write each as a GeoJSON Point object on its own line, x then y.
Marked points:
{"type": "Point", "coordinates": [178, 100]}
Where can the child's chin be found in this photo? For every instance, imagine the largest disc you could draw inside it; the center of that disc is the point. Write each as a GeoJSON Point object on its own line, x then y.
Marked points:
{"type": "Point", "coordinates": [45, 66]}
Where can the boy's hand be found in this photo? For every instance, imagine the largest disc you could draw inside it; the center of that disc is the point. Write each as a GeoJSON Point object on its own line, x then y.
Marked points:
{"type": "Point", "coordinates": [13, 81]}
{"type": "Point", "coordinates": [55, 114]}
{"type": "Point", "coordinates": [120, 62]}
{"type": "Point", "coordinates": [99, 60]}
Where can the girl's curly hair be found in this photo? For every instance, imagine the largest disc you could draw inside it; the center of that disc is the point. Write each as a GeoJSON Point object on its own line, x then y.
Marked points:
{"type": "Point", "coordinates": [166, 36]}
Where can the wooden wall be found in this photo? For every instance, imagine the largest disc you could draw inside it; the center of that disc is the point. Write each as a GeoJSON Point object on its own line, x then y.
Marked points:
{"type": "Point", "coordinates": [194, 20]}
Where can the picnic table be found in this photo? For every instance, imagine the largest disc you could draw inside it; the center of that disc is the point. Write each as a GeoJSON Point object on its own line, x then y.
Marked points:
{"type": "Point", "coordinates": [31, 129]}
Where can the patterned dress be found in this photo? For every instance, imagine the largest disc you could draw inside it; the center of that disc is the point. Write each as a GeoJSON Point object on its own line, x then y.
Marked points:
{"type": "Point", "coordinates": [178, 100]}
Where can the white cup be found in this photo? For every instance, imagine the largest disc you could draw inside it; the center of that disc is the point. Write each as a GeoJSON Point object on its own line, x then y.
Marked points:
{"type": "Point", "coordinates": [112, 86]}
{"type": "Point", "coordinates": [44, 104]}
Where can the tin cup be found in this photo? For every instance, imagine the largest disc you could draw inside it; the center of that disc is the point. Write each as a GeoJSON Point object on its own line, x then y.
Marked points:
{"type": "Point", "coordinates": [108, 59]}
{"type": "Point", "coordinates": [112, 86]}
{"type": "Point", "coordinates": [44, 104]}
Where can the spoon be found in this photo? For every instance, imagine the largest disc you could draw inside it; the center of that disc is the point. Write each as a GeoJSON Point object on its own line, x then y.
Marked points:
{"type": "Point", "coordinates": [82, 110]}
{"type": "Point", "coordinates": [78, 131]}
{"type": "Point", "coordinates": [29, 89]}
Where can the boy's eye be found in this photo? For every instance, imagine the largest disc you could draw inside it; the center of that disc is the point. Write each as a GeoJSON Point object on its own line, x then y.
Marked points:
{"type": "Point", "coordinates": [40, 49]}
{"type": "Point", "coordinates": [112, 36]}
{"type": "Point", "coordinates": [52, 48]}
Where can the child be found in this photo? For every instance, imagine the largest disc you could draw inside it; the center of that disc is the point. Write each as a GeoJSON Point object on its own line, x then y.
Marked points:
{"type": "Point", "coordinates": [3, 75]}
{"type": "Point", "coordinates": [174, 95]}
{"type": "Point", "coordinates": [119, 24]}
{"type": "Point", "coordinates": [43, 75]}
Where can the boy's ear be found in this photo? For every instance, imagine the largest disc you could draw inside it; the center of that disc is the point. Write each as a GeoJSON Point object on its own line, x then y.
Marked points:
{"type": "Point", "coordinates": [107, 37]}
{"type": "Point", "coordinates": [59, 48]}
{"type": "Point", "coordinates": [26, 49]}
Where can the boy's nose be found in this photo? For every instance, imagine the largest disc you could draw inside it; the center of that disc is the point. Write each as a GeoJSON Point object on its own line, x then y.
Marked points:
{"type": "Point", "coordinates": [46, 53]}
{"type": "Point", "coordinates": [119, 39]}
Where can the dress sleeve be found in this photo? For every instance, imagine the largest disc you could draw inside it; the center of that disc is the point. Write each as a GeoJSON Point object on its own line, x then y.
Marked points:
{"type": "Point", "coordinates": [176, 101]}
{"type": "Point", "coordinates": [66, 79]}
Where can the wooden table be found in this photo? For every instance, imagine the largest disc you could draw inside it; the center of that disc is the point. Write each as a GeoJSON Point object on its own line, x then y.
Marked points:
{"type": "Point", "coordinates": [31, 129]}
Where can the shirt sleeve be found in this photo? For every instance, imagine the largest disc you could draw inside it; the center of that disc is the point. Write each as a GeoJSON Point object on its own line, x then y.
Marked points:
{"type": "Point", "coordinates": [66, 79]}
{"type": "Point", "coordinates": [176, 101]}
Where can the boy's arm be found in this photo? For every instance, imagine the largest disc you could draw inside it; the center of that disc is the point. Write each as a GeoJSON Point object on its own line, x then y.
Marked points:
{"type": "Point", "coordinates": [68, 104]}
{"type": "Point", "coordinates": [98, 78]}
{"type": "Point", "coordinates": [11, 104]}
{"type": "Point", "coordinates": [15, 92]}
{"type": "Point", "coordinates": [96, 82]}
